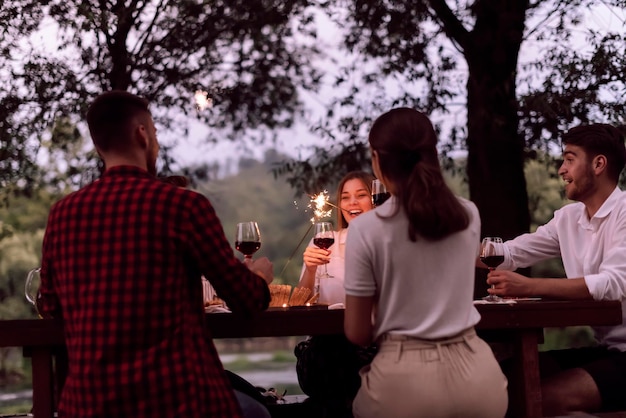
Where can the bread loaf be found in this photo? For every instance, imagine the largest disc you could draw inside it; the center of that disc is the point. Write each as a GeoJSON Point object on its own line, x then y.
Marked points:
{"type": "Point", "coordinates": [279, 294]}
{"type": "Point", "coordinates": [299, 296]}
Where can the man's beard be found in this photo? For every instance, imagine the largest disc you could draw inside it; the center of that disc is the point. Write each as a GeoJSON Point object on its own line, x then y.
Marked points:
{"type": "Point", "coordinates": [584, 187]}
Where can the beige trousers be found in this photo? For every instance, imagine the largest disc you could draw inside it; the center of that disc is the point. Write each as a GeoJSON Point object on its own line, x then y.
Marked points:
{"type": "Point", "coordinates": [453, 377]}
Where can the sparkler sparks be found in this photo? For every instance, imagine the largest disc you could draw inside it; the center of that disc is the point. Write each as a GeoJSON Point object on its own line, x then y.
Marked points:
{"type": "Point", "coordinates": [319, 202]}
{"type": "Point", "coordinates": [203, 101]}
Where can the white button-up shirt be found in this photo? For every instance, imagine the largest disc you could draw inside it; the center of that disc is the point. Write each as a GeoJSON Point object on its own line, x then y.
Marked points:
{"type": "Point", "coordinates": [594, 249]}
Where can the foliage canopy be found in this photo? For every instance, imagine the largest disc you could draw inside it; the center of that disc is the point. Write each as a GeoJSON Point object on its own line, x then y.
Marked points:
{"type": "Point", "coordinates": [242, 54]}
{"type": "Point", "coordinates": [458, 61]}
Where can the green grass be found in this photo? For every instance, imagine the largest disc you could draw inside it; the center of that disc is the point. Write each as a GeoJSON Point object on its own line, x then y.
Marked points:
{"type": "Point", "coordinates": [293, 389]}
{"type": "Point", "coordinates": [21, 379]}
{"type": "Point", "coordinates": [280, 360]}
{"type": "Point", "coordinates": [16, 407]}
{"type": "Point", "coordinates": [283, 357]}
{"type": "Point", "coordinates": [560, 338]}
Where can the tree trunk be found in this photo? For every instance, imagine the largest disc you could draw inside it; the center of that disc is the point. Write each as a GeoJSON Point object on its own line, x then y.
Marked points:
{"type": "Point", "coordinates": [495, 147]}
{"type": "Point", "coordinates": [495, 163]}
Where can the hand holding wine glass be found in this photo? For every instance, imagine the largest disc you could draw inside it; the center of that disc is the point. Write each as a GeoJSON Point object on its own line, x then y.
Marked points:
{"type": "Point", "coordinates": [247, 238]}
{"type": "Point", "coordinates": [324, 237]}
{"type": "Point", "coordinates": [492, 255]}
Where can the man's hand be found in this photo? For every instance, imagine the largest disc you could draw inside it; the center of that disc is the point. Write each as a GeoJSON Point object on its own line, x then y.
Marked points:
{"type": "Point", "coordinates": [261, 266]}
{"type": "Point", "coordinates": [508, 283]}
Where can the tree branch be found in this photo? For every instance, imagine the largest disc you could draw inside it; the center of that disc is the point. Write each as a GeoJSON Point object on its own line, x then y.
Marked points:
{"type": "Point", "coordinates": [450, 24]}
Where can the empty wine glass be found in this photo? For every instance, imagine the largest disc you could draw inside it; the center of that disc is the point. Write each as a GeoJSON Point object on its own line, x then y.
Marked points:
{"type": "Point", "coordinates": [492, 254]}
{"type": "Point", "coordinates": [31, 287]}
{"type": "Point", "coordinates": [247, 238]}
{"type": "Point", "coordinates": [324, 237]}
{"type": "Point", "coordinates": [379, 193]}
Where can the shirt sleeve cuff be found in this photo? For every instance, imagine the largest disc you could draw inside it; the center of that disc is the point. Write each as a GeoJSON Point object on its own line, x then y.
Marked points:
{"type": "Point", "coordinates": [361, 292]}
{"type": "Point", "coordinates": [597, 290]}
{"type": "Point", "coordinates": [508, 263]}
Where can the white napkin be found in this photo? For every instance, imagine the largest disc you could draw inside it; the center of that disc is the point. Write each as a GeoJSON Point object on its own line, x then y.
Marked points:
{"type": "Point", "coordinates": [498, 302]}
{"type": "Point", "coordinates": [207, 290]}
{"type": "Point", "coordinates": [216, 309]}
{"type": "Point", "coordinates": [336, 306]}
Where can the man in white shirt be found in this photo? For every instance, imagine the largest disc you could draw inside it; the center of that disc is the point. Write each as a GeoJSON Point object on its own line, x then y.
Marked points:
{"type": "Point", "coordinates": [590, 236]}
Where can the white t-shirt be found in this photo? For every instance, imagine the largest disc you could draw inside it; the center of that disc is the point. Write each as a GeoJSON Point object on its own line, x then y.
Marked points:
{"type": "Point", "coordinates": [331, 289]}
{"type": "Point", "coordinates": [591, 248]}
{"type": "Point", "coordinates": [423, 289]}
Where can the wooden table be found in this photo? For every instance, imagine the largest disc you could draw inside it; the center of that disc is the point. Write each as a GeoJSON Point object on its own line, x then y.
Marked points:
{"type": "Point", "coordinates": [521, 324]}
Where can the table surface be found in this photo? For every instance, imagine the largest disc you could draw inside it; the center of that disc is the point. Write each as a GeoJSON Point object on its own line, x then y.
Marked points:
{"type": "Point", "coordinates": [277, 322]}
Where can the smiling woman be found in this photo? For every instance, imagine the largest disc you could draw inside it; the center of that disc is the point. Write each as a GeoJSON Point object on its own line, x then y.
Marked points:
{"type": "Point", "coordinates": [353, 198]}
{"type": "Point", "coordinates": [328, 365]}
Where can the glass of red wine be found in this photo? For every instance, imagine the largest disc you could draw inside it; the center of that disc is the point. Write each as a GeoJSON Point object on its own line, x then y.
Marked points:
{"type": "Point", "coordinates": [323, 238]}
{"type": "Point", "coordinates": [379, 193]}
{"type": "Point", "coordinates": [247, 238]}
{"type": "Point", "coordinates": [492, 254]}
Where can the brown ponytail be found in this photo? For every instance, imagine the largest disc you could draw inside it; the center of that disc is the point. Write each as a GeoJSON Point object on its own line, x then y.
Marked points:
{"type": "Point", "coordinates": [406, 144]}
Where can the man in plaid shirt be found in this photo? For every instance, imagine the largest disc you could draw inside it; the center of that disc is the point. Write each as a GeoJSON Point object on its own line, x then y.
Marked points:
{"type": "Point", "coordinates": [122, 265]}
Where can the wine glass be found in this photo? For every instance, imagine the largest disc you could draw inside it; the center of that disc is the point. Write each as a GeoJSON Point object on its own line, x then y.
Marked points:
{"type": "Point", "coordinates": [492, 254]}
{"type": "Point", "coordinates": [379, 193]}
{"type": "Point", "coordinates": [31, 286]}
{"type": "Point", "coordinates": [324, 237]}
{"type": "Point", "coordinates": [247, 238]}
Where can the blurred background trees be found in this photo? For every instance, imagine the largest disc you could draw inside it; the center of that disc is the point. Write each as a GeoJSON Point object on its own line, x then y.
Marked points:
{"type": "Point", "coordinates": [501, 79]}
{"type": "Point", "coordinates": [241, 56]}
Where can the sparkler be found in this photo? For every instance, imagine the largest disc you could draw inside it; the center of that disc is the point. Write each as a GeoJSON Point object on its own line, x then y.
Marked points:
{"type": "Point", "coordinates": [318, 203]}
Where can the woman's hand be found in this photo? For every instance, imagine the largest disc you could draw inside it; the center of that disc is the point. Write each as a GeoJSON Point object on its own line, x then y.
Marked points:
{"type": "Point", "coordinates": [314, 256]}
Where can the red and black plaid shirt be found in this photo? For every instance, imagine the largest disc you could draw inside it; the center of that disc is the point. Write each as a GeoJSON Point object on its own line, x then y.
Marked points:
{"type": "Point", "coordinates": [122, 260]}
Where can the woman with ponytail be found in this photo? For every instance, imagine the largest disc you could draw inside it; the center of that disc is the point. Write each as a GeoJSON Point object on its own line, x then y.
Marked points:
{"type": "Point", "coordinates": [409, 286]}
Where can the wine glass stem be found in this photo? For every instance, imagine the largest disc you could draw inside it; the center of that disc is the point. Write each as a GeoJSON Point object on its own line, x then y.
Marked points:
{"type": "Point", "coordinates": [493, 286]}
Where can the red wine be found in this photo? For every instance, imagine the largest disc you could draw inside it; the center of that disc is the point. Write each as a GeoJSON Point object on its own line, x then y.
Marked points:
{"type": "Point", "coordinates": [379, 198]}
{"type": "Point", "coordinates": [324, 243]}
{"type": "Point", "coordinates": [492, 261]}
{"type": "Point", "coordinates": [247, 247]}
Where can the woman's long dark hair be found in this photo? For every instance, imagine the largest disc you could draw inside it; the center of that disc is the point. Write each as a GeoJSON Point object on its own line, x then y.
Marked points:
{"type": "Point", "coordinates": [406, 144]}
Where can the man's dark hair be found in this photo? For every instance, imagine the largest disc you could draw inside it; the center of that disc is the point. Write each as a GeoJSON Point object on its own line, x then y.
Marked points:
{"type": "Point", "coordinates": [600, 139]}
{"type": "Point", "coordinates": [110, 115]}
